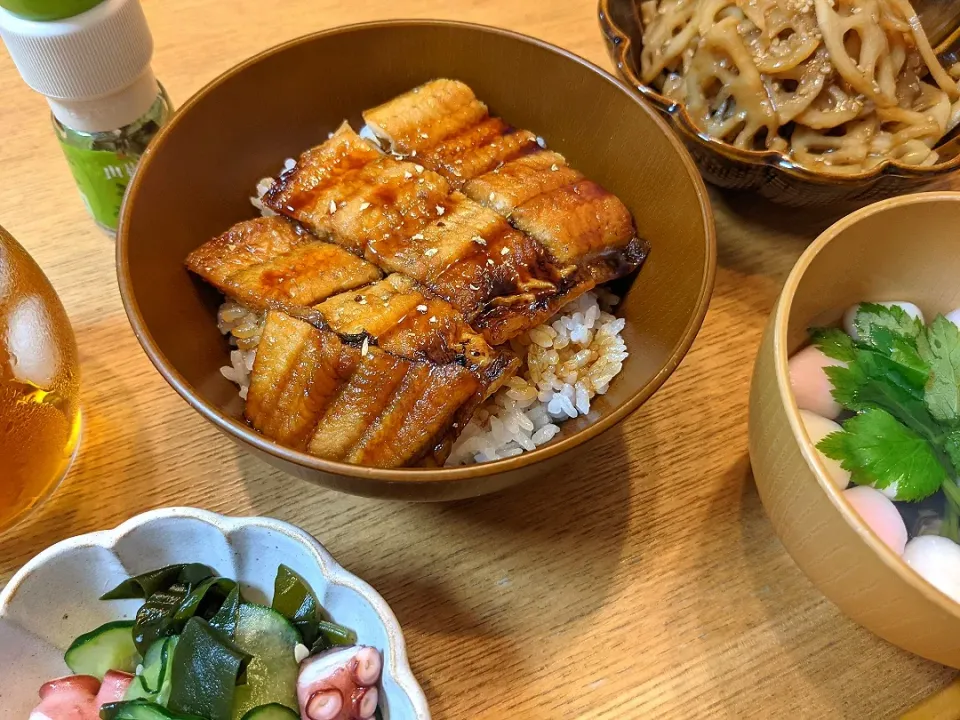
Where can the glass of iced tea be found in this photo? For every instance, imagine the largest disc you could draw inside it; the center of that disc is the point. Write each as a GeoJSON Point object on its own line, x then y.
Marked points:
{"type": "Point", "coordinates": [39, 385]}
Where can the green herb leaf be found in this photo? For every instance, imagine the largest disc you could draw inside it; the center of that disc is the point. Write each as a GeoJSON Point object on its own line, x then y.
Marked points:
{"type": "Point", "coordinates": [206, 666]}
{"type": "Point", "coordinates": [952, 446]}
{"type": "Point", "coordinates": [903, 351]}
{"type": "Point", "coordinates": [145, 585]}
{"type": "Point", "coordinates": [939, 346]}
{"type": "Point", "coordinates": [878, 450]}
{"type": "Point", "coordinates": [834, 343]}
{"type": "Point", "coordinates": [294, 599]}
{"type": "Point", "coordinates": [872, 316]}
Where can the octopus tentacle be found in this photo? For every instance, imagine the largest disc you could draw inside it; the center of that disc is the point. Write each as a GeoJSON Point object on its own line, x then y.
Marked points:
{"type": "Point", "coordinates": [340, 684]}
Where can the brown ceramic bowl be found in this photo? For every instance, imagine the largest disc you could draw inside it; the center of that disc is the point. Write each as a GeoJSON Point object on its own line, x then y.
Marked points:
{"type": "Point", "coordinates": [869, 255]}
{"type": "Point", "coordinates": [771, 174]}
{"type": "Point", "coordinates": [196, 179]}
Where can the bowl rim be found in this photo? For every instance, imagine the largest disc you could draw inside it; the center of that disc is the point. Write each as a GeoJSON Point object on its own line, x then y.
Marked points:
{"type": "Point", "coordinates": [781, 370]}
{"type": "Point", "coordinates": [420, 476]}
{"type": "Point", "coordinates": [332, 571]}
{"type": "Point", "coordinates": [620, 45]}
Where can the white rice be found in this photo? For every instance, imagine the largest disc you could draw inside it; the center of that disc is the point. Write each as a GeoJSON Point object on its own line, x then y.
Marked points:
{"type": "Point", "coordinates": [566, 363]}
{"type": "Point", "coordinates": [244, 328]}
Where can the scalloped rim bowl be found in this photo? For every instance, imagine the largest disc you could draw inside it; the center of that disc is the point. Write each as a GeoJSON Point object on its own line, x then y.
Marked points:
{"type": "Point", "coordinates": [621, 47]}
{"type": "Point", "coordinates": [54, 597]}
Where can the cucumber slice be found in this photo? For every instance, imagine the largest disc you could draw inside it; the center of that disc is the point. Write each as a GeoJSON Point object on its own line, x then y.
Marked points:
{"type": "Point", "coordinates": [272, 673]}
{"type": "Point", "coordinates": [273, 711]}
{"type": "Point", "coordinates": [109, 647]}
{"type": "Point", "coordinates": [140, 710]}
{"type": "Point", "coordinates": [154, 682]}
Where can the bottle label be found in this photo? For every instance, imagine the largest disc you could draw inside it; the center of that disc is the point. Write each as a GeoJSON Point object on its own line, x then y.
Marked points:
{"type": "Point", "coordinates": [102, 178]}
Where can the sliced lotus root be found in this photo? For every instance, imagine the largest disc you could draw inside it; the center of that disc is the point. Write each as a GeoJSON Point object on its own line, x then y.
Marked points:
{"type": "Point", "coordinates": [793, 91]}
{"type": "Point", "coordinates": [833, 107]}
{"type": "Point", "coordinates": [857, 46]}
{"type": "Point", "coordinates": [786, 39]}
{"type": "Point", "coordinates": [725, 93]}
{"type": "Point", "coordinates": [665, 40]}
{"type": "Point", "coordinates": [838, 153]}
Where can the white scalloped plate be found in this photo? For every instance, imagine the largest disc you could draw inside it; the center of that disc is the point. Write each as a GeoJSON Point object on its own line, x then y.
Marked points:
{"type": "Point", "coordinates": [54, 597]}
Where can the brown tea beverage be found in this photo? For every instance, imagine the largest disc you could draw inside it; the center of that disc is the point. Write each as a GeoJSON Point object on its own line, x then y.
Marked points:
{"type": "Point", "coordinates": [39, 385]}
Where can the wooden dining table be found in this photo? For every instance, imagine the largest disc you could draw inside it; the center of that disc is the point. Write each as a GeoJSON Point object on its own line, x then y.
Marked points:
{"type": "Point", "coordinates": [643, 580]}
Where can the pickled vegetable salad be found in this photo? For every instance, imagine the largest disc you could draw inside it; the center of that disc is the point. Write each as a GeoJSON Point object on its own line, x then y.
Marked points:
{"type": "Point", "coordinates": [199, 650]}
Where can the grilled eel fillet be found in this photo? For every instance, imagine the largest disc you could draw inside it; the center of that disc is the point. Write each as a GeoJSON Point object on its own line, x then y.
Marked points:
{"type": "Point", "coordinates": [449, 130]}
{"type": "Point", "coordinates": [310, 390]}
{"type": "Point", "coordinates": [404, 218]}
{"type": "Point", "coordinates": [273, 263]}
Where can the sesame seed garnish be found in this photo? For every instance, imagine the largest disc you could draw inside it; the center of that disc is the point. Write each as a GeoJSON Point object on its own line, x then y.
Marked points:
{"type": "Point", "coordinates": [333, 207]}
{"type": "Point", "coordinates": [492, 195]}
{"type": "Point", "coordinates": [541, 142]}
{"type": "Point", "coordinates": [365, 348]}
{"type": "Point", "coordinates": [430, 252]}
{"type": "Point", "coordinates": [364, 205]}
{"type": "Point", "coordinates": [433, 318]}
{"type": "Point", "coordinates": [418, 168]}
{"type": "Point", "coordinates": [362, 301]}
{"type": "Point", "coordinates": [420, 181]}
{"type": "Point", "coordinates": [407, 175]}
{"type": "Point", "coordinates": [413, 154]}
{"type": "Point", "coordinates": [478, 240]}
{"type": "Point", "coordinates": [421, 308]}
{"type": "Point", "coordinates": [554, 167]}
{"type": "Point", "coordinates": [424, 136]}
{"type": "Point", "coordinates": [505, 251]}
{"type": "Point", "coordinates": [489, 261]}
{"type": "Point", "coordinates": [441, 209]}
{"type": "Point", "coordinates": [473, 287]}
{"type": "Point", "coordinates": [418, 236]}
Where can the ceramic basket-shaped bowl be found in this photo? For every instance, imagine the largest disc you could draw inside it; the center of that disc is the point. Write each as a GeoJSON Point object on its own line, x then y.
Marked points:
{"type": "Point", "coordinates": [900, 249]}
{"type": "Point", "coordinates": [771, 174]}
{"type": "Point", "coordinates": [54, 597]}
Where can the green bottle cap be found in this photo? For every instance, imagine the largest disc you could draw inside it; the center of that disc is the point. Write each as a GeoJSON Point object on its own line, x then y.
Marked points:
{"type": "Point", "coordinates": [45, 10]}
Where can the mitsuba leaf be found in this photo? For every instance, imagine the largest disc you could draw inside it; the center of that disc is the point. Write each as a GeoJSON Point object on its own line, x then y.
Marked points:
{"type": "Point", "coordinates": [834, 343]}
{"type": "Point", "coordinates": [873, 316]}
{"type": "Point", "coordinates": [145, 585]}
{"type": "Point", "coordinates": [903, 352]}
{"type": "Point", "coordinates": [206, 666]}
{"type": "Point", "coordinates": [939, 347]}
{"type": "Point", "coordinates": [880, 451]}
{"type": "Point", "coordinates": [952, 447]}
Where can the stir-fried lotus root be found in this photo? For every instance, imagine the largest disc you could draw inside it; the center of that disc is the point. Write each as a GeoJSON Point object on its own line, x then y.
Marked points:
{"type": "Point", "coordinates": [839, 86]}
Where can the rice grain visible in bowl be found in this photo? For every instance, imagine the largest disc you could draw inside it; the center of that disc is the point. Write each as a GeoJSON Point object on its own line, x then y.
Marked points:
{"type": "Point", "coordinates": [239, 128]}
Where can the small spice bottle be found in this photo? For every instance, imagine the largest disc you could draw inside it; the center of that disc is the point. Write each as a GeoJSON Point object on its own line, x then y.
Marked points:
{"type": "Point", "coordinates": [94, 69]}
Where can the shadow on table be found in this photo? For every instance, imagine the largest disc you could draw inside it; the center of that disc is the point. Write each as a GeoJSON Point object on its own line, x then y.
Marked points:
{"type": "Point", "coordinates": [820, 662]}
{"type": "Point", "coordinates": [757, 237]}
{"type": "Point", "coordinates": [487, 583]}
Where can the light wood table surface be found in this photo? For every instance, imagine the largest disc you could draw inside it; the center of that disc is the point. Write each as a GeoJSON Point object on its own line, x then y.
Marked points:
{"type": "Point", "coordinates": [644, 580]}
